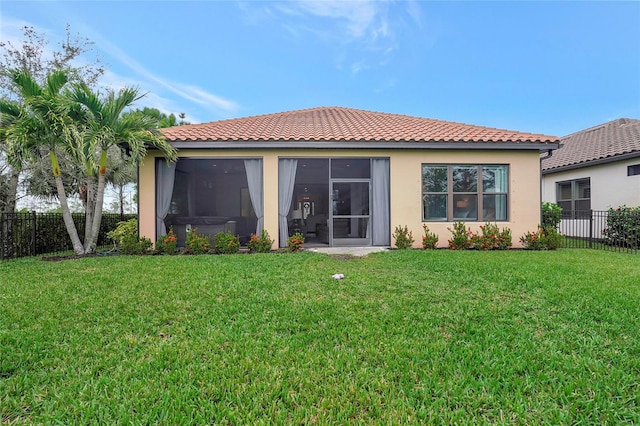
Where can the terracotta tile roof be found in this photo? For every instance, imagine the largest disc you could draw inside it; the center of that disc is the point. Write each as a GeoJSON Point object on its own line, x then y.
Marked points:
{"type": "Point", "coordinates": [345, 124]}
{"type": "Point", "coordinates": [608, 140]}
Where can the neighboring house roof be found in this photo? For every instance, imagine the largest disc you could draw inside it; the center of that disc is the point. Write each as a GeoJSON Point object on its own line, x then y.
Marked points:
{"type": "Point", "coordinates": [346, 125]}
{"type": "Point", "coordinates": [613, 141]}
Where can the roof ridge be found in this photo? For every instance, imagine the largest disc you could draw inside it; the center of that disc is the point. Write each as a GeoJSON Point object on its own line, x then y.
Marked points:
{"type": "Point", "coordinates": [347, 124]}
{"type": "Point", "coordinates": [617, 138]}
{"type": "Point", "coordinates": [359, 110]}
{"type": "Point", "coordinates": [603, 125]}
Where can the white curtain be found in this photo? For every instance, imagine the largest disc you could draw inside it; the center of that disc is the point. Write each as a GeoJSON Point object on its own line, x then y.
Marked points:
{"type": "Point", "coordinates": [253, 169]}
{"type": "Point", "coordinates": [500, 173]}
{"type": "Point", "coordinates": [286, 180]}
{"type": "Point", "coordinates": [381, 235]}
{"type": "Point", "coordinates": [164, 191]}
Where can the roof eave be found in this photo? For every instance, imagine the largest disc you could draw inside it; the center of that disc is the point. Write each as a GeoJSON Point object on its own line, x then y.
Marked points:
{"type": "Point", "coordinates": [246, 144]}
{"type": "Point", "coordinates": [590, 163]}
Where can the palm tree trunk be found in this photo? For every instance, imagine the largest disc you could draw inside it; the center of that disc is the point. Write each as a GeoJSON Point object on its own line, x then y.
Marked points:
{"type": "Point", "coordinates": [64, 206]}
{"type": "Point", "coordinates": [12, 190]}
{"type": "Point", "coordinates": [89, 207]}
{"type": "Point", "coordinates": [90, 243]}
{"type": "Point", "coordinates": [121, 199]}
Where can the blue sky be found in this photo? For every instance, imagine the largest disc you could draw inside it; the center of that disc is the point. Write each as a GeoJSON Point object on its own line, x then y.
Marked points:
{"type": "Point", "coordinates": [544, 67]}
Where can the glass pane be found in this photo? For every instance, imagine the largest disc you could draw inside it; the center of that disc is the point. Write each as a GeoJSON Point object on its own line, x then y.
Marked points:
{"type": "Point", "coordinates": [208, 195]}
{"type": "Point", "coordinates": [465, 206]}
{"type": "Point", "coordinates": [583, 205]}
{"type": "Point", "coordinates": [583, 188]}
{"type": "Point", "coordinates": [564, 191]}
{"type": "Point", "coordinates": [465, 179]}
{"type": "Point", "coordinates": [434, 207]}
{"type": "Point", "coordinates": [494, 207]}
{"type": "Point", "coordinates": [351, 198]}
{"type": "Point", "coordinates": [351, 168]}
{"type": "Point", "coordinates": [494, 178]}
{"type": "Point", "coordinates": [434, 179]}
{"type": "Point", "coordinates": [566, 208]}
{"type": "Point", "coordinates": [356, 227]}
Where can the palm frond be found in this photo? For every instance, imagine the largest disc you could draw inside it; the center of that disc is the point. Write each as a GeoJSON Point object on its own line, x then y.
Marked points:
{"type": "Point", "coordinates": [83, 95]}
{"type": "Point", "coordinates": [25, 83]}
{"type": "Point", "coordinates": [118, 103]}
{"type": "Point", "coordinates": [55, 82]}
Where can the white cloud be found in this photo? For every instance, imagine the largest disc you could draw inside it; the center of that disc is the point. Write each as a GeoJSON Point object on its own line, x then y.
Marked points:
{"type": "Point", "coordinates": [210, 101]}
{"type": "Point", "coordinates": [354, 20]}
{"type": "Point", "coordinates": [151, 99]}
{"type": "Point", "coordinates": [188, 92]}
{"type": "Point", "coordinates": [367, 29]}
{"type": "Point", "coordinates": [160, 89]}
{"type": "Point", "coordinates": [358, 18]}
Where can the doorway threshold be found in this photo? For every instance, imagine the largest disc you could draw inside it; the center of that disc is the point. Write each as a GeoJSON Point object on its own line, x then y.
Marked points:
{"type": "Point", "coordinates": [353, 251]}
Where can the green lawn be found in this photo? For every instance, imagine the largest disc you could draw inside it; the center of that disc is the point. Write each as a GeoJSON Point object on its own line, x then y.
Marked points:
{"type": "Point", "coordinates": [407, 337]}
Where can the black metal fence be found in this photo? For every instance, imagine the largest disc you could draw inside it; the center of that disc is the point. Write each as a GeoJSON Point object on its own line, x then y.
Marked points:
{"type": "Point", "coordinates": [615, 229]}
{"type": "Point", "coordinates": [32, 234]}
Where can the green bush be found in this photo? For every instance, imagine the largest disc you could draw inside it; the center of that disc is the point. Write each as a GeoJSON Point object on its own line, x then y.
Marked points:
{"type": "Point", "coordinates": [167, 244]}
{"type": "Point", "coordinates": [542, 239]}
{"type": "Point", "coordinates": [295, 242]}
{"type": "Point", "coordinates": [623, 227]}
{"type": "Point", "coordinates": [429, 239]}
{"type": "Point", "coordinates": [196, 244]}
{"type": "Point", "coordinates": [226, 243]}
{"type": "Point", "coordinates": [460, 239]}
{"type": "Point", "coordinates": [551, 215]}
{"type": "Point", "coordinates": [403, 238]}
{"type": "Point", "coordinates": [126, 238]}
{"type": "Point", "coordinates": [491, 238]}
{"type": "Point", "coordinates": [260, 244]}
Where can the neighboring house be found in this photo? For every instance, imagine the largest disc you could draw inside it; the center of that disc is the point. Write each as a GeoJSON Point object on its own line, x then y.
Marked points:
{"type": "Point", "coordinates": [342, 177]}
{"type": "Point", "coordinates": [594, 169]}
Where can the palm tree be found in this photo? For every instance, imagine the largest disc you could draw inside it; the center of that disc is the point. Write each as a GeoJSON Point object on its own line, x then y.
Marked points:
{"type": "Point", "coordinates": [104, 127]}
{"type": "Point", "coordinates": [86, 127]}
{"type": "Point", "coordinates": [45, 124]}
{"type": "Point", "coordinates": [9, 113]}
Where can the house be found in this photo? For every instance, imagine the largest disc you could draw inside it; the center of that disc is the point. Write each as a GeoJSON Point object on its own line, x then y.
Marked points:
{"type": "Point", "coordinates": [595, 169]}
{"type": "Point", "coordinates": [342, 177]}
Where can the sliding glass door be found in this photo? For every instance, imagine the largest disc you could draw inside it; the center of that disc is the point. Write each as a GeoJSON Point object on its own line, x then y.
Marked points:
{"type": "Point", "coordinates": [335, 201]}
{"type": "Point", "coordinates": [351, 213]}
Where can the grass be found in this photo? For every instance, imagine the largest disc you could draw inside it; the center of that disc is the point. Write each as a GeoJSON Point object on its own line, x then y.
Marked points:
{"type": "Point", "coordinates": [407, 337]}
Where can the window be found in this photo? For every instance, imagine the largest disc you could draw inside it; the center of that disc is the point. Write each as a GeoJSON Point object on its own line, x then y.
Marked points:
{"type": "Point", "coordinates": [633, 170]}
{"type": "Point", "coordinates": [464, 192]}
{"type": "Point", "coordinates": [574, 196]}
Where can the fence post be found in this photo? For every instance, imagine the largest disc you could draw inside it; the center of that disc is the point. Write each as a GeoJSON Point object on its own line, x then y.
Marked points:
{"type": "Point", "coordinates": [6, 232]}
{"type": "Point", "coordinates": [590, 228]}
{"type": "Point", "coordinates": [2, 236]}
{"type": "Point", "coordinates": [34, 244]}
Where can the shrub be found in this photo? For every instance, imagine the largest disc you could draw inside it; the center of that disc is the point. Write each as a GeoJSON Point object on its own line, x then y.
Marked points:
{"type": "Point", "coordinates": [623, 227]}
{"type": "Point", "coordinates": [551, 215]}
{"type": "Point", "coordinates": [167, 244]}
{"type": "Point", "coordinates": [260, 244]}
{"type": "Point", "coordinates": [196, 244]}
{"type": "Point", "coordinates": [491, 238]}
{"type": "Point", "coordinates": [542, 239]}
{"type": "Point", "coordinates": [226, 243]}
{"type": "Point", "coordinates": [403, 238]}
{"type": "Point", "coordinates": [126, 238]}
{"type": "Point", "coordinates": [461, 235]}
{"type": "Point", "coordinates": [429, 239]}
{"type": "Point", "coordinates": [295, 242]}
